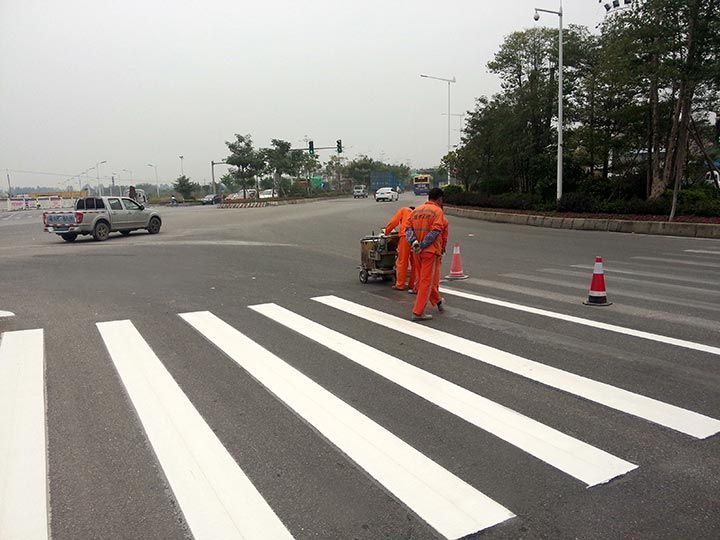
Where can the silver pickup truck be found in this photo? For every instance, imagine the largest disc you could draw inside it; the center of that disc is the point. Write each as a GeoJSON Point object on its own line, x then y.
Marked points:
{"type": "Point", "coordinates": [99, 216]}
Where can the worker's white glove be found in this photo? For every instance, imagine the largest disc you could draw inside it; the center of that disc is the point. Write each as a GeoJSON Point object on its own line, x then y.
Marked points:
{"type": "Point", "coordinates": [415, 246]}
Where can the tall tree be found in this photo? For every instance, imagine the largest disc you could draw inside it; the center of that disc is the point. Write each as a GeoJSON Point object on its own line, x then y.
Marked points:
{"type": "Point", "coordinates": [247, 162]}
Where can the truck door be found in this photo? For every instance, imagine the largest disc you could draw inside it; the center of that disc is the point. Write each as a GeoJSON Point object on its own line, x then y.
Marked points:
{"type": "Point", "coordinates": [135, 215]}
{"type": "Point", "coordinates": [118, 215]}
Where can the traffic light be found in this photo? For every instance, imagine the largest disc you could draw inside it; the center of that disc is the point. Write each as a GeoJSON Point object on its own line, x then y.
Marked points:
{"type": "Point", "coordinates": [311, 148]}
{"type": "Point", "coordinates": [339, 146]}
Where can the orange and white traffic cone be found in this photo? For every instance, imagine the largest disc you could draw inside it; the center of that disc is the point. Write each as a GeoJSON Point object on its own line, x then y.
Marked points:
{"type": "Point", "coordinates": [597, 295]}
{"type": "Point", "coordinates": [456, 270]}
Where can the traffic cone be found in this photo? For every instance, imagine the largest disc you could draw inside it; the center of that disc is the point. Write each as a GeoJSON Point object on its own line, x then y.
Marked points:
{"type": "Point", "coordinates": [456, 271]}
{"type": "Point", "coordinates": [597, 295]}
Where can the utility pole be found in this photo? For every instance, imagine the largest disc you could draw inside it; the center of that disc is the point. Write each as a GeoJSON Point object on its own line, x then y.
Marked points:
{"type": "Point", "coordinates": [212, 169]}
{"type": "Point", "coordinates": [7, 172]}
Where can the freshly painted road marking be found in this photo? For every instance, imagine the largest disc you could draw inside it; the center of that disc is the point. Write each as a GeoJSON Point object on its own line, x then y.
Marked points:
{"type": "Point", "coordinates": [677, 418]}
{"type": "Point", "coordinates": [706, 251]}
{"type": "Point", "coordinates": [216, 498]}
{"type": "Point", "coordinates": [448, 504]}
{"type": "Point", "coordinates": [23, 462]}
{"type": "Point", "coordinates": [576, 458]}
{"type": "Point", "coordinates": [678, 261]}
{"type": "Point", "coordinates": [670, 277]}
{"type": "Point", "coordinates": [586, 322]}
{"type": "Point", "coordinates": [6, 314]}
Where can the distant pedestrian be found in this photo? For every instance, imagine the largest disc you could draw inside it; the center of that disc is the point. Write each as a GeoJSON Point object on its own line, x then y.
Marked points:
{"type": "Point", "coordinates": [427, 234]}
{"type": "Point", "coordinates": [400, 221]}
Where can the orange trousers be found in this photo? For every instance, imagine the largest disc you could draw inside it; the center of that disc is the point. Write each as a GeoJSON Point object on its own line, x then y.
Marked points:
{"type": "Point", "coordinates": [427, 281]}
{"type": "Point", "coordinates": [404, 256]}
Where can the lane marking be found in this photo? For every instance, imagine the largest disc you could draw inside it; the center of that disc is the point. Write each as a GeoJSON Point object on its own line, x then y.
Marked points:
{"type": "Point", "coordinates": [586, 322]}
{"type": "Point", "coordinates": [707, 251]}
{"type": "Point", "coordinates": [616, 291]}
{"type": "Point", "coordinates": [23, 460]}
{"type": "Point", "coordinates": [678, 261]}
{"type": "Point", "coordinates": [664, 414]}
{"type": "Point", "coordinates": [216, 497]}
{"type": "Point", "coordinates": [669, 277]}
{"type": "Point", "coordinates": [576, 458]}
{"type": "Point", "coordinates": [6, 314]}
{"type": "Point", "coordinates": [448, 504]}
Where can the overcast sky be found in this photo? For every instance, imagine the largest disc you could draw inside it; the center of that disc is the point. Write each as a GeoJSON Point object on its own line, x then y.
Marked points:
{"type": "Point", "coordinates": [138, 82]}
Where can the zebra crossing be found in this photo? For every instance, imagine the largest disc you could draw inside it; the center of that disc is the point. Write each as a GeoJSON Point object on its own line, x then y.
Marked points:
{"type": "Point", "coordinates": [218, 499]}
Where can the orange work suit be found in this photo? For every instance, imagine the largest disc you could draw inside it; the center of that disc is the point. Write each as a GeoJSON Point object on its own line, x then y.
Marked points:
{"type": "Point", "coordinates": [401, 220]}
{"type": "Point", "coordinates": [424, 219]}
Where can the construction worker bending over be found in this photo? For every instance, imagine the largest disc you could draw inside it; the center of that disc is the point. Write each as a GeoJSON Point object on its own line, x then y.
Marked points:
{"type": "Point", "coordinates": [400, 220]}
{"type": "Point", "coordinates": [427, 234]}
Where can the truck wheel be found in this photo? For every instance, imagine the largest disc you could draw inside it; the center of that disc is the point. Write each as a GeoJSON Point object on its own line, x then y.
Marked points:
{"type": "Point", "coordinates": [364, 276]}
{"type": "Point", "coordinates": [101, 231]}
{"type": "Point", "coordinates": [154, 226]}
{"type": "Point", "coordinates": [125, 233]}
{"type": "Point", "coordinates": [69, 237]}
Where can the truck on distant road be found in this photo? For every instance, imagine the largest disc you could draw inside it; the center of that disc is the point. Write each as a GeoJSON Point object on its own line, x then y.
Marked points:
{"type": "Point", "coordinates": [99, 216]}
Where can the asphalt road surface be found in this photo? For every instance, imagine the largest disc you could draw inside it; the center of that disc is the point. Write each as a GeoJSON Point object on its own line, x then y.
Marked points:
{"type": "Point", "coordinates": [232, 377]}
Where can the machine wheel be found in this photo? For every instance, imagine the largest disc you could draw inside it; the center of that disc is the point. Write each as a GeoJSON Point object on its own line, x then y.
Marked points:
{"type": "Point", "coordinates": [101, 231]}
{"type": "Point", "coordinates": [69, 237]}
{"type": "Point", "coordinates": [154, 226]}
{"type": "Point", "coordinates": [125, 233]}
{"type": "Point", "coordinates": [364, 276]}
{"type": "Point", "coordinates": [387, 277]}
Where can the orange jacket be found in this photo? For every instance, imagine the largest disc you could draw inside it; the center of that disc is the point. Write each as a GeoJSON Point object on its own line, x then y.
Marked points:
{"type": "Point", "coordinates": [426, 218]}
{"type": "Point", "coordinates": [399, 219]}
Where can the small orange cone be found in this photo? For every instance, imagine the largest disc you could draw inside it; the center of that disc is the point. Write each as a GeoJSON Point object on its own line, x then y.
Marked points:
{"type": "Point", "coordinates": [456, 270]}
{"type": "Point", "coordinates": [597, 295]}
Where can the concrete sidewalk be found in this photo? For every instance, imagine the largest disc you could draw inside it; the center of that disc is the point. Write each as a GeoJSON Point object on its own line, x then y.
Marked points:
{"type": "Point", "coordinates": [698, 230]}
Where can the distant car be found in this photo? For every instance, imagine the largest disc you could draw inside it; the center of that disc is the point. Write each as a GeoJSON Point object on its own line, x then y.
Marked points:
{"type": "Point", "coordinates": [360, 191]}
{"type": "Point", "coordinates": [268, 194]}
{"type": "Point", "coordinates": [211, 199]}
{"type": "Point", "coordinates": [386, 194]}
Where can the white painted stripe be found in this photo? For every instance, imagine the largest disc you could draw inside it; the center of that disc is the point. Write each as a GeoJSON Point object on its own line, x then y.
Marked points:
{"type": "Point", "coordinates": [667, 260]}
{"type": "Point", "coordinates": [448, 504]}
{"type": "Point", "coordinates": [587, 322]}
{"type": "Point", "coordinates": [669, 277]}
{"type": "Point", "coordinates": [667, 415]}
{"type": "Point", "coordinates": [576, 458]}
{"type": "Point", "coordinates": [23, 461]}
{"type": "Point", "coordinates": [707, 251]}
{"type": "Point", "coordinates": [6, 314]}
{"type": "Point", "coordinates": [216, 498]}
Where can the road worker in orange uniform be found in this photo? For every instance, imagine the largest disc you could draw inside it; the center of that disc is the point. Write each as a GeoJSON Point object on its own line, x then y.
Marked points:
{"type": "Point", "coordinates": [400, 221]}
{"type": "Point", "coordinates": [427, 234]}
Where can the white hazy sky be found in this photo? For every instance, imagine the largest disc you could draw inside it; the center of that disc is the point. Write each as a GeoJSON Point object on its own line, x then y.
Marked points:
{"type": "Point", "coordinates": [136, 82]}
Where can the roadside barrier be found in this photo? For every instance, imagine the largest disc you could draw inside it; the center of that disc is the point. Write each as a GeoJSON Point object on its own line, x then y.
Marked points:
{"type": "Point", "coordinates": [255, 204]}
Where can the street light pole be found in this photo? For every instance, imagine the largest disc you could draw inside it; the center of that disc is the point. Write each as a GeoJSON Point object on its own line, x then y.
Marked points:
{"type": "Point", "coordinates": [212, 172]}
{"type": "Point", "coordinates": [559, 13]}
{"type": "Point", "coordinates": [7, 173]}
{"type": "Point", "coordinates": [97, 171]}
{"type": "Point", "coordinates": [448, 81]}
{"type": "Point", "coordinates": [182, 171]}
{"type": "Point", "coordinates": [157, 182]}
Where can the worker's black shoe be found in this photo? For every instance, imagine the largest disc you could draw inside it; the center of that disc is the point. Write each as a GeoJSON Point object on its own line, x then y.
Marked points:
{"type": "Point", "coordinates": [440, 307]}
{"type": "Point", "coordinates": [423, 317]}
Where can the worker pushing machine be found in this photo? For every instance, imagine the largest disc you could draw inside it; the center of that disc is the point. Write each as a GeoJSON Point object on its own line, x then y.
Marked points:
{"type": "Point", "coordinates": [400, 220]}
{"type": "Point", "coordinates": [427, 234]}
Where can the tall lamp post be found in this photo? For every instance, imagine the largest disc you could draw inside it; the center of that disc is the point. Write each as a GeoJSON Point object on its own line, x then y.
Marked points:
{"type": "Point", "coordinates": [559, 13]}
{"type": "Point", "coordinates": [157, 182]}
{"type": "Point", "coordinates": [448, 81]}
{"type": "Point", "coordinates": [182, 171]}
{"type": "Point", "coordinates": [97, 171]}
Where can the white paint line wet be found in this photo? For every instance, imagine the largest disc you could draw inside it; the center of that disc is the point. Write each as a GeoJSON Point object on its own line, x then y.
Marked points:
{"type": "Point", "coordinates": [669, 277]}
{"type": "Point", "coordinates": [677, 418]}
{"type": "Point", "coordinates": [705, 251]}
{"type": "Point", "coordinates": [576, 458]}
{"type": "Point", "coordinates": [586, 322]}
{"type": "Point", "coordinates": [6, 314]}
{"type": "Point", "coordinates": [23, 439]}
{"type": "Point", "coordinates": [667, 260]}
{"type": "Point", "coordinates": [216, 497]}
{"type": "Point", "coordinates": [448, 504]}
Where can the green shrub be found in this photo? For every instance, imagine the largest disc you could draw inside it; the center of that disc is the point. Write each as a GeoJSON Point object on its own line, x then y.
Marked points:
{"type": "Point", "coordinates": [452, 189]}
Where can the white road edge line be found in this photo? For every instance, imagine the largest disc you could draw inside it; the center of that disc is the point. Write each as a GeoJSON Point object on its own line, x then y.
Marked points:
{"type": "Point", "coordinates": [448, 504]}
{"type": "Point", "coordinates": [23, 438]}
{"type": "Point", "coordinates": [6, 314]}
{"type": "Point", "coordinates": [216, 497]}
{"type": "Point", "coordinates": [586, 322]}
{"type": "Point", "coordinates": [671, 416]}
{"type": "Point", "coordinates": [706, 251]}
{"type": "Point", "coordinates": [576, 458]}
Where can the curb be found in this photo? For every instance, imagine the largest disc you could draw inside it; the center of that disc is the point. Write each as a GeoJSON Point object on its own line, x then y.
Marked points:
{"type": "Point", "coordinates": [697, 230]}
